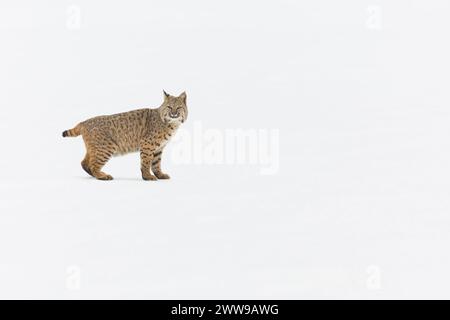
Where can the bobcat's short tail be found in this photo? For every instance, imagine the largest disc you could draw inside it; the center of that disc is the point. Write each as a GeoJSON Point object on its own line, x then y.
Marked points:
{"type": "Point", "coordinates": [75, 132]}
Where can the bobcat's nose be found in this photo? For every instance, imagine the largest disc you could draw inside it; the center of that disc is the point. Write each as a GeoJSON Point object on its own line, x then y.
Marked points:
{"type": "Point", "coordinates": [174, 115]}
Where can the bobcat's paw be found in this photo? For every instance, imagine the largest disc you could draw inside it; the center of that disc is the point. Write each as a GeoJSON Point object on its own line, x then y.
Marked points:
{"type": "Point", "coordinates": [162, 176]}
{"type": "Point", "coordinates": [149, 177]}
{"type": "Point", "coordinates": [105, 177]}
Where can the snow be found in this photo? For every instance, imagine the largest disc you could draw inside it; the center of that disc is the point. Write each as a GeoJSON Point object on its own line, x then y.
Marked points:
{"type": "Point", "coordinates": [356, 117]}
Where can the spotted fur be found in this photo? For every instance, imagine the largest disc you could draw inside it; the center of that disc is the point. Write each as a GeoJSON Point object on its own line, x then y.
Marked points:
{"type": "Point", "coordinates": [144, 130]}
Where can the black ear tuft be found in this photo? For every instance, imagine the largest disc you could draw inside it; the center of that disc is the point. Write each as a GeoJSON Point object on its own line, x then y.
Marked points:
{"type": "Point", "coordinates": [165, 93]}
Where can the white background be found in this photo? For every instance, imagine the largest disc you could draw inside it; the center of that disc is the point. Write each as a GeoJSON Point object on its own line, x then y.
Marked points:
{"type": "Point", "coordinates": [359, 91]}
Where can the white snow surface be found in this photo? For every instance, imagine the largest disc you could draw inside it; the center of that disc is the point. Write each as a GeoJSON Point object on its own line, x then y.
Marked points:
{"type": "Point", "coordinates": [359, 207]}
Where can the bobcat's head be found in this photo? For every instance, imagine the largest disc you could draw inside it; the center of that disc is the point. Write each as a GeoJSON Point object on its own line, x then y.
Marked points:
{"type": "Point", "coordinates": [174, 109]}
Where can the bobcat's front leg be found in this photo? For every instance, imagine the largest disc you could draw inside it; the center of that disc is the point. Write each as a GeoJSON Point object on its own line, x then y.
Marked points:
{"type": "Point", "coordinates": [146, 161]}
{"type": "Point", "coordinates": [156, 166]}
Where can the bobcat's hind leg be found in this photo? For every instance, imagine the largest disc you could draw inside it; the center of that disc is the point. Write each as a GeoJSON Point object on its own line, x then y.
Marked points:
{"type": "Point", "coordinates": [98, 159]}
{"type": "Point", "coordinates": [85, 164]}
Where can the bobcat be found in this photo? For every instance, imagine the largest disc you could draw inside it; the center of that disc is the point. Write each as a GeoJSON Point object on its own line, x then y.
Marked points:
{"type": "Point", "coordinates": [144, 130]}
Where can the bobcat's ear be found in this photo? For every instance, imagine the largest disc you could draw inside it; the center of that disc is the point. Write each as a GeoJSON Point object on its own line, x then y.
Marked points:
{"type": "Point", "coordinates": [166, 95]}
{"type": "Point", "coordinates": [183, 96]}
